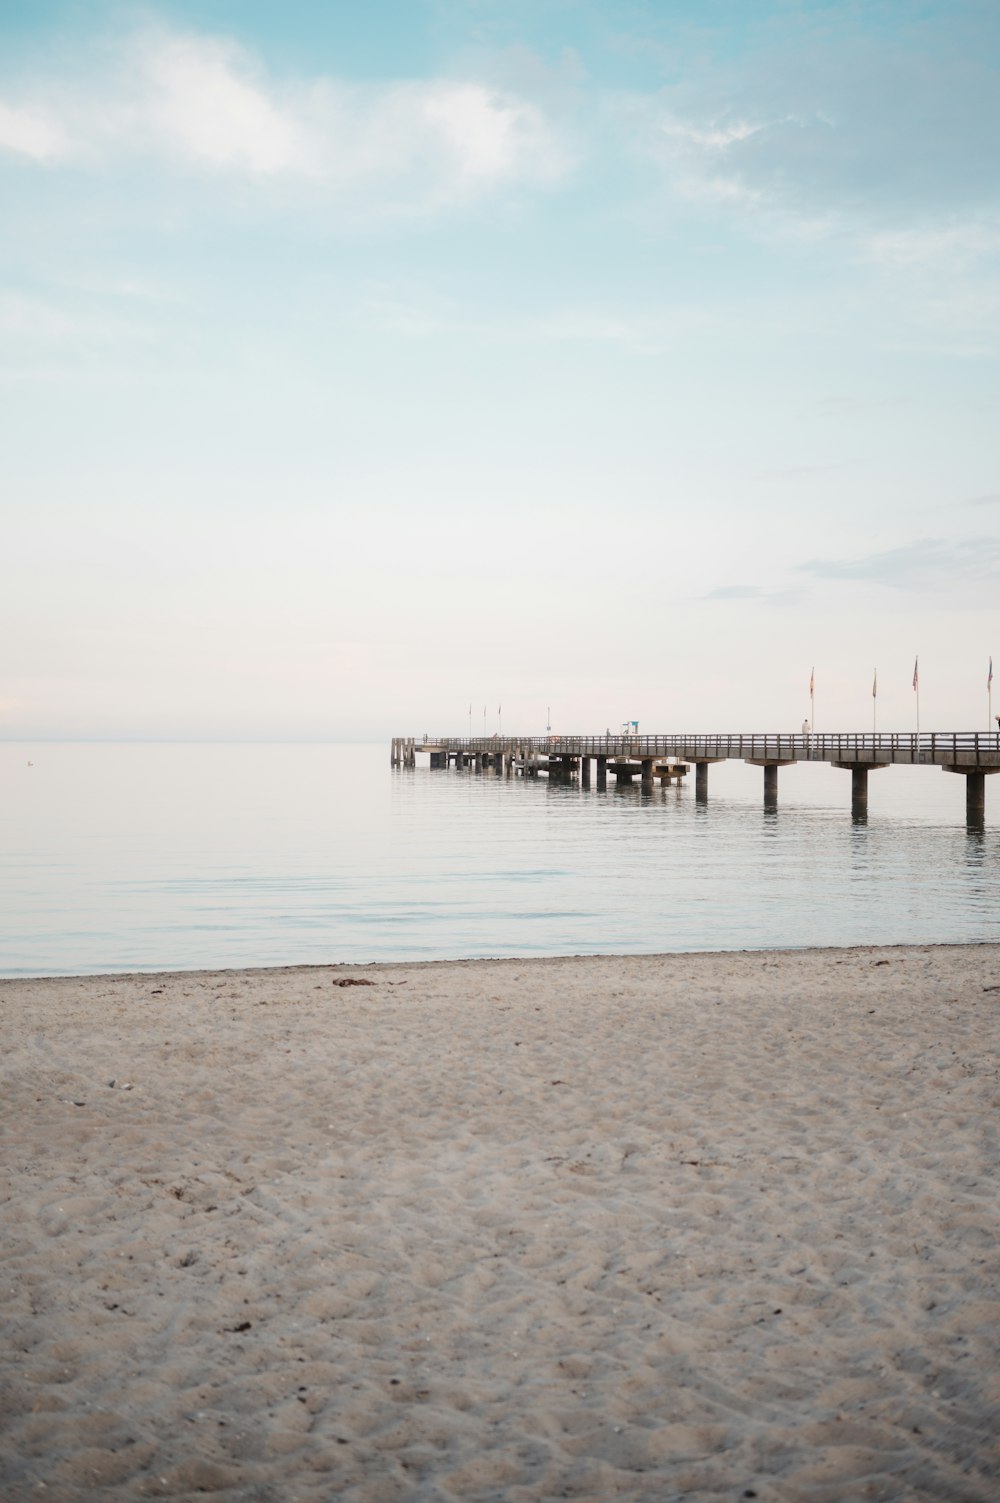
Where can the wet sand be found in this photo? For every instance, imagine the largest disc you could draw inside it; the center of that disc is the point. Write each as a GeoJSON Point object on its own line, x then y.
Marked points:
{"type": "Point", "coordinates": [696, 1226]}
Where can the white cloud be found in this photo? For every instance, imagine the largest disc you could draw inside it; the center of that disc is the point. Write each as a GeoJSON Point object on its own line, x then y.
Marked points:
{"type": "Point", "coordinates": [424, 316]}
{"type": "Point", "coordinates": [203, 101]}
{"type": "Point", "coordinates": [952, 244]}
{"type": "Point", "coordinates": [30, 133]}
{"type": "Point", "coordinates": [937, 564]}
{"type": "Point", "coordinates": [711, 159]}
{"type": "Point", "coordinates": [714, 137]}
{"type": "Point", "coordinates": [491, 135]}
{"type": "Point", "coordinates": [40, 335]}
{"type": "Point", "coordinates": [35, 319]}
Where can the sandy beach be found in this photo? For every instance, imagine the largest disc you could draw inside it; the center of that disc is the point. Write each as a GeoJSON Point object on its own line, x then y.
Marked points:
{"type": "Point", "coordinates": [668, 1227]}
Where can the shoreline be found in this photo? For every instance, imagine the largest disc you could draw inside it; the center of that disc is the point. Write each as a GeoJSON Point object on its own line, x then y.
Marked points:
{"type": "Point", "coordinates": [597, 957]}
{"type": "Point", "coordinates": [701, 1224]}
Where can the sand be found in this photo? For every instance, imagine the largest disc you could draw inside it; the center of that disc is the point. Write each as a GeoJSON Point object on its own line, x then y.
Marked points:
{"type": "Point", "coordinates": [710, 1226]}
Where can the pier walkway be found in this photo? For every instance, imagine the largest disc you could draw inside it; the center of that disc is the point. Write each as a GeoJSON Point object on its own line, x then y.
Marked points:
{"type": "Point", "coordinates": [667, 758]}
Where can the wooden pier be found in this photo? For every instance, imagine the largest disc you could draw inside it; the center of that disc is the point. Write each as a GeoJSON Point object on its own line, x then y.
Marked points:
{"type": "Point", "coordinates": [668, 758]}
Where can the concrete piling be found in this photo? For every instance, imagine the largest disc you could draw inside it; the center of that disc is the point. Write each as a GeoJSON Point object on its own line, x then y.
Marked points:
{"type": "Point", "coordinates": [859, 792]}
{"type": "Point", "coordinates": [770, 785]}
{"type": "Point", "coordinates": [975, 798]}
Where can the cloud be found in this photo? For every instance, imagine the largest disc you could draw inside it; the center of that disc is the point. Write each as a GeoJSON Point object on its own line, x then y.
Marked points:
{"type": "Point", "coordinates": [204, 102]}
{"type": "Point", "coordinates": [714, 137]}
{"type": "Point", "coordinates": [424, 316]}
{"type": "Point", "coordinates": [30, 133]}
{"type": "Point", "coordinates": [71, 327]}
{"type": "Point", "coordinates": [956, 245]}
{"type": "Point", "coordinates": [490, 135]}
{"type": "Point", "coordinates": [48, 322]}
{"type": "Point", "coordinates": [930, 564]}
{"type": "Point", "coordinates": [828, 126]}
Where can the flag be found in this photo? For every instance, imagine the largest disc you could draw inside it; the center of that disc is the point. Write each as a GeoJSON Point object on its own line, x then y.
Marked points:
{"type": "Point", "coordinates": [812, 676]}
{"type": "Point", "coordinates": [989, 681]}
{"type": "Point", "coordinates": [875, 685]}
{"type": "Point", "coordinates": [916, 676]}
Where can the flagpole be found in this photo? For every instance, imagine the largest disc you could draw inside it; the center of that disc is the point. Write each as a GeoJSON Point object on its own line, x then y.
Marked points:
{"type": "Point", "coordinates": [916, 689]}
{"type": "Point", "coordinates": [812, 699]}
{"type": "Point", "coordinates": [989, 696]}
{"type": "Point", "coordinates": [875, 703]}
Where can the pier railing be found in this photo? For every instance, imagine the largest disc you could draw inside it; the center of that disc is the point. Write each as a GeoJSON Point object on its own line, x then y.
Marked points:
{"type": "Point", "coordinates": [934, 748]}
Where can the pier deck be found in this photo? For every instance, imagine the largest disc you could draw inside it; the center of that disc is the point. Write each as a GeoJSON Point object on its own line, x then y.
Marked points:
{"type": "Point", "coordinates": [667, 757]}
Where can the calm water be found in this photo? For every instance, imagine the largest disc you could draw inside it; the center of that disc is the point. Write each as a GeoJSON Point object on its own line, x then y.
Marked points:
{"type": "Point", "coordinates": [139, 857]}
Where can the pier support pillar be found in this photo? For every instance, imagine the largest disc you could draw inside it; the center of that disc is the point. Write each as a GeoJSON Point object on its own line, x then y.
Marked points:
{"type": "Point", "coordinates": [602, 773]}
{"type": "Point", "coordinates": [701, 778]}
{"type": "Point", "coordinates": [859, 785]}
{"type": "Point", "coordinates": [975, 793]}
{"type": "Point", "coordinates": [647, 774]}
{"type": "Point", "coordinates": [498, 763]}
{"type": "Point", "coordinates": [859, 792]}
{"type": "Point", "coordinates": [770, 785]}
{"type": "Point", "coordinates": [584, 772]}
{"type": "Point", "coordinates": [975, 798]}
{"type": "Point", "coordinates": [770, 776]}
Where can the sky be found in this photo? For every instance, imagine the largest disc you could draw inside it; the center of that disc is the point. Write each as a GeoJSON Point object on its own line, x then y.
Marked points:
{"type": "Point", "coordinates": [569, 360]}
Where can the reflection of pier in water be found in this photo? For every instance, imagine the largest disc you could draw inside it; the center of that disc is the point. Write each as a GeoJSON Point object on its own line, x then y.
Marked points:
{"type": "Point", "coordinates": [667, 759]}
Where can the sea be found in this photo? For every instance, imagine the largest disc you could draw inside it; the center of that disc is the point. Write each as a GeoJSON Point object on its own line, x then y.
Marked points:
{"type": "Point", "coordinates": [121, 857]}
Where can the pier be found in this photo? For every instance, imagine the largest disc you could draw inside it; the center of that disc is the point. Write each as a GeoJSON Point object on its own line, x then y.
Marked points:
{"type": "Point", "coordinates": [665, 759]}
